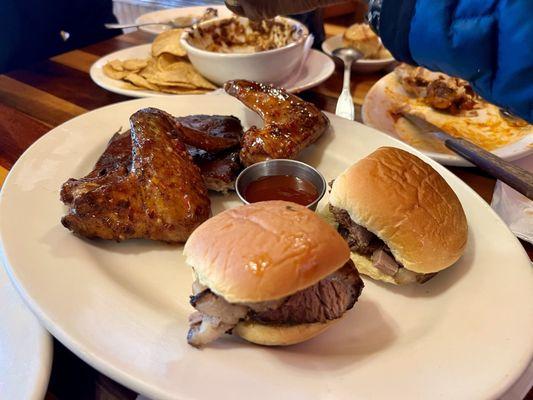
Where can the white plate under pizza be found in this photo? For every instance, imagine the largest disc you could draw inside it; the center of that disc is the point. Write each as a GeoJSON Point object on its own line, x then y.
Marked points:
{"type": "Point", "coordinates": [481, 122]}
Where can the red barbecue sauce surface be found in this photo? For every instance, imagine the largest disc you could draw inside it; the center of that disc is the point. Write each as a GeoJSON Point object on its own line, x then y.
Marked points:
{"type": "Point", "coordinates": [281, 187]}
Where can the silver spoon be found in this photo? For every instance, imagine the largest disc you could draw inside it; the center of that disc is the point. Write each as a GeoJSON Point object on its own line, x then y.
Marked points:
{"type": "Point", "coordinates": [345, 106]}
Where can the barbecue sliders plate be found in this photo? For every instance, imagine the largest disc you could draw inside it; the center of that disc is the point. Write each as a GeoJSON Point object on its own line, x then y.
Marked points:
{"type": "Point", "coordinates": [124, 307]}
{"type": "Point", "coordinates": [401, 219]}
{"type": "Point", "coordinates": [269, 281]}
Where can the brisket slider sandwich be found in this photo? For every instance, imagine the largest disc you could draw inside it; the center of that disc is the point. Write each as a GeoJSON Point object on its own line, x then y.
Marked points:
{"type": "Point", "coordinates": [401, 219]}
{"type": "Point", "coordinates": [271, 272]}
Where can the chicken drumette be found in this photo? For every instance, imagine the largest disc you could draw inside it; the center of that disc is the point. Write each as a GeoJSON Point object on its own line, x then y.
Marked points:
{"type": "Point", "coordinates": [290, 123]}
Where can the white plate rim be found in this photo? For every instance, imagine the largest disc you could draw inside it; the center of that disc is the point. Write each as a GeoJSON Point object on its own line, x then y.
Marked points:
{"type": "Point", "coordinates": [364, 66]}
{"type": "Point", "coordinates": [98, 77]}
{"type": "Point", "coordinates": [30, 367]}
{"type": "Point", "coordinates": [444, 159]}
{"type": "Point", "coordinates": [141, 386]}
{"type": "Point", "coordinates": [381, 62]}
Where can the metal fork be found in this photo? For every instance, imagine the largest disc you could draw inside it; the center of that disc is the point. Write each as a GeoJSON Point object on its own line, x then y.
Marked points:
{"type": "Point", "coordinates": [171, 24]}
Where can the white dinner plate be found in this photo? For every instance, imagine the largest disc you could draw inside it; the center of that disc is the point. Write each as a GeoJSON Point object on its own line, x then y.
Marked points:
{"type": "Point", "coordinates": [363, 66]}
{"type": "Point", "coordinates": [379, 118]}
{"type": "Point", "coordinates": [317, 68]}
{"type": "Point", "coordinates": [171, 13]}
{"type": "Point", "coordinates": [25, 347]}
{"type": "Point", "coordinates": [123, 307]}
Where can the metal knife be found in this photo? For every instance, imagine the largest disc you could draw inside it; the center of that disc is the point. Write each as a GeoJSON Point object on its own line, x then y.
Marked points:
{"type": "Point", "coordinates": [514, 176]}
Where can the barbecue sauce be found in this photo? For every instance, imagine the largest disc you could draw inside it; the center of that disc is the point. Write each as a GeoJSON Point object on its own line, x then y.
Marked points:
{"type": "Point", "coordinates": [281, 187]}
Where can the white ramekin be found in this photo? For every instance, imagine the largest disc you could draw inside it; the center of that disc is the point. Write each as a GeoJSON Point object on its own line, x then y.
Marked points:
{"type": "Point", "coordinates": [270, 66]}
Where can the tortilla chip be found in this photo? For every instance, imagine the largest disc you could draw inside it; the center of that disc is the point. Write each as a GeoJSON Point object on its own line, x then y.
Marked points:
{"type": "Point", "coordinates": [113, 73]}
{"type": "Point", "coordinates": [199, 81]}
{"type": "Point", "coordinates": [168, 42]}
{"type": "Point", "coordinates": [130, 86]}
{"type": "Point", "coordinates": [184, 72]}
{"type": "Point", "coordinates": [165, 61]}
{"type": "Point", "coordinates": [139, 81]}
{"type": "Point", "coordinates": [179, 90]}
{"type": "Point", "coordinates": [149, 70]}
{"type": "Point", "coordinates": [158, 76]}
{"type": "Point", "coordinates": [135, 64]}
{"type": "Point", "coordinates": [168, 70]}
{"type": "Point", "coordinates": [155, 79]}
{"type": "Point", "coordinates": [116, 65]}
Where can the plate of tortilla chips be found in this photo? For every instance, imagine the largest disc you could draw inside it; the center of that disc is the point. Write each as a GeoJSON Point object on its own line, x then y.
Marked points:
{"type": "Point", "coordinates": [157, 69]}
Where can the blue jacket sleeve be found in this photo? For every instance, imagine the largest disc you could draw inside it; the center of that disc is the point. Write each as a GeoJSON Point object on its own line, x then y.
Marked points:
{"type": "Point", "coordinates": [486, 42]}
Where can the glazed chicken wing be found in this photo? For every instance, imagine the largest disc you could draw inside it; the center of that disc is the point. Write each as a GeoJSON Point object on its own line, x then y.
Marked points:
{"type": "Point", "coordinates": [219, 168]}
{"type": "Point", "coordinates": [290, 123]}
{"type": "Point", "coordinates": [145, 186]}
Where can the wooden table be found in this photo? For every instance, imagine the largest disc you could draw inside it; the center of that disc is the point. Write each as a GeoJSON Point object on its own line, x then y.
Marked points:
{"type": "Point", "coordinates": [38, 98]}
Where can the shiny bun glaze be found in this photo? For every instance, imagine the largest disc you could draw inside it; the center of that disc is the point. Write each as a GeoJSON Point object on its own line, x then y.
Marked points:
{"type": "Point", "coordinates": [264, 251]}
{"type": "Point", "coordinates": [408, 205]}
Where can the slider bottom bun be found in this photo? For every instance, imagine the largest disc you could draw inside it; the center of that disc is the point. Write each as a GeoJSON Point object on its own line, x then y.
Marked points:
{"type": "Point", "coordinates": [280, 335]}
{"type": "Point", "coordinates": [364, 266]}
{"type": "Point", "coordinates": [402, 277]}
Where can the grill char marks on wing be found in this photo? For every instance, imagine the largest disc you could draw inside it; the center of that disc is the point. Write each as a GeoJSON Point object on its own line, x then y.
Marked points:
{"type": "Point", "coordinates": [220, 126]}
{"type": "Point", "coordinates": [134, 192]}
{"type": "Point", "coordinates": [115, 161]}
{"type": "Point", "coordinates": [219, 168]}
{"type": "Point", "coordinates": [220, 172]}
{"type": "Point", "coordinates": [203, 139]}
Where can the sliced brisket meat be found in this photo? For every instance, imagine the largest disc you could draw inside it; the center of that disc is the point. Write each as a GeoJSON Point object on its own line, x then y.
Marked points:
{"type": "Point", "coordinates": [206, 329]}
{"type": "Point", "coordinates": [364, 242]}
{"type": "Point", "coordinates": [385, 262]}
{"type": "Point", "coordinates": [360, 239]}
{"type": "Point", "coordinates": [209, 303]}
{"type": "Point", "coordinates": [217, 316]}
{"type": "Point", "coordinates": [328, 299]}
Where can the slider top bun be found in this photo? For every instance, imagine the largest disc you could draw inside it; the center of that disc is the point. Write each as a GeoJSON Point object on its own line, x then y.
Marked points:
{"type": "Point", "coordinates": [408, 205]}
{"type": "Point", "coordinates": [264, 251]}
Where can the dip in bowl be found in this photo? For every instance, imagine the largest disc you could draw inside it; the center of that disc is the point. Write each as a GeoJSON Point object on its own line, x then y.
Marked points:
{"type": "Point", "coordinates": [281, 179]}
{"type": "Point", "coordinates": [237, 48]}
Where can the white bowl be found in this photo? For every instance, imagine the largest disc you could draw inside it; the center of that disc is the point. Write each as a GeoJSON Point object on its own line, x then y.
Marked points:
{"type": "Point", "coordinates": [270, 66]}
{"type": "Point", "coordinates": [363, 66]}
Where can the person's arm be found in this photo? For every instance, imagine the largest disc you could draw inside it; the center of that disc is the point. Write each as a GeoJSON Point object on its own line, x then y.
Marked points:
{"type": "Point", "coordinates": [486, 42]}
{"type": "Point", "coordinates": [261, 9]}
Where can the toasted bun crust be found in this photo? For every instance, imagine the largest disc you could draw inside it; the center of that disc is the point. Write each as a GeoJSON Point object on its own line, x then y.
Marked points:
{"type": "Point", "coordinates": [269, 335]}
{"type": "Point", "coordinates": [264, 251]}
{"type": "Point", "coordinates": [365, 267]}
{"type": "Point", "coordinates": [407, 204]}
